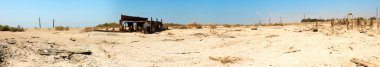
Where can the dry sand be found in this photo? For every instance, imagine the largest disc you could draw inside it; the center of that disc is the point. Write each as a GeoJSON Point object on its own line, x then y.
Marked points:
{"type": "Point", "coordinates": [278, 46]}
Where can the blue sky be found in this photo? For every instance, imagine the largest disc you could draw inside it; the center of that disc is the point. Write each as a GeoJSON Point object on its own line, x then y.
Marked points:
{"type": "Point", "coordinates": [82, 13]}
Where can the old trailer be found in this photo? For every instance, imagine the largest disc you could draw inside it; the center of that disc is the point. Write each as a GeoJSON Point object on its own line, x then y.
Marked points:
{"type": "Point", "coordinates": [140, 24]}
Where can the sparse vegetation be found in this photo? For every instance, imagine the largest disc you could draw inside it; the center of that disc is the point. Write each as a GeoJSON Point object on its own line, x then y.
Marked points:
{"type": "Point", "coordinates": [107, 25]}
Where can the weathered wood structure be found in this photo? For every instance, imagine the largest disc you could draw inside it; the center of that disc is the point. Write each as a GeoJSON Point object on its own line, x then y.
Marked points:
{"type": "Point", "coordinates": [140, 24]}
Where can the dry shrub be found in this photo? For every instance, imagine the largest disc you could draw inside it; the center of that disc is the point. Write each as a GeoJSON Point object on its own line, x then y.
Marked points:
{"type": "Point", "coordinates": [194, 25]}
{"type": "Point", "coordinates": [227, 25]}
{"type": "Point", "coordinates": [61, 28]}
{"type": "Point", "coordinates": [180, 27]}
{"type": "Point", "coordinates": [212, 26]}
{"type": "Point", "coordinates": [237, 25]}
{"type": "Point", "coordinates": [88, 29]}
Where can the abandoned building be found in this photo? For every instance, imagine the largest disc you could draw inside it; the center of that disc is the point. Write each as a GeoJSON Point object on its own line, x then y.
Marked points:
{"type": "Point", "coordinates": [140, 24]}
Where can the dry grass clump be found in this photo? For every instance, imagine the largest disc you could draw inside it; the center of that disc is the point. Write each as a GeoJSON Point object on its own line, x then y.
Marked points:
{"type": "Point", "coordinates": [88, 29]}
{"type": "Point", "coordinates": [194, 25]}
{"type": "Point", "coordinates": [61, 28]}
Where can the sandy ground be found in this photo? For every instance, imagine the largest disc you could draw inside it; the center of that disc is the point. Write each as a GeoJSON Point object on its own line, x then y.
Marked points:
{"type": "Point", "coordinates": [277, 46]}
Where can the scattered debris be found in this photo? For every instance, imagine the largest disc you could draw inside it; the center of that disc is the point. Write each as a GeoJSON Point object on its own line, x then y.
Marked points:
{"type": "Point", "coordinates": [225, 60]}
{"type": "Point", "coordinates": [29, 41]}
{"type": "Point", "coordinates": [201, 35]}
{"type": "Point", "coordinates": [173, 39]}
{"type": "Point", "coordinates": [271, 36]}
{"type": "Point", "coordinates": [73, 39]}
{"type": "Point", "coordinates": [292, 51]}
{"type": "Point", "coordinates": [350, 48]}
{"type": "Point", "coordinates": [50, 42]}
{"type": "Point", "coordinates": [238, 30]}
{"type": "Point", "coordinates": [108, 42]}
{"type": "Point", "coordinates": [135, 41]}
{"type": "Point", "coordinates": [371, 35]}
{"type": "Point", "coordinates": [56, 52]}
{"type": "Point", "coordinates": [185, 53]}
{"type": "Point", "coordinates": [297, 31]}
{"type": "Point", "coordinates": [34, 37]}
{"type": "Point", "coordinates": [225, 36]}
{"type": "Point", "coordinates": [362, 63]}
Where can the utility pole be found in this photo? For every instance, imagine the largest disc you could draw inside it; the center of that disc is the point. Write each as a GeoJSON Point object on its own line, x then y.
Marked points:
{"type": "Point", "coordinates": [280, 19]}
{"type": "Point", "coordinates": [53, 23]}
{"type": "Point", "coordinates": [39, 22]}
